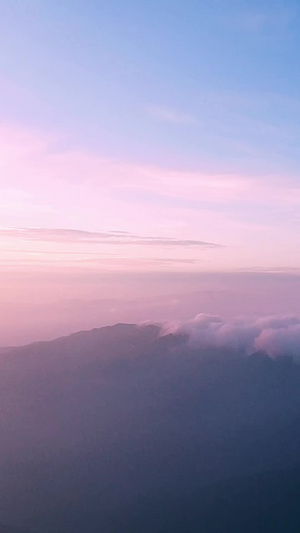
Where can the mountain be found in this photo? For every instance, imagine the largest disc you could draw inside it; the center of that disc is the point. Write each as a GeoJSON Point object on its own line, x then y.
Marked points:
{"type": "Point", "coordinates": [8, 529]}
{"type": "Point", "coordinates": [267, 502]}
{"type": "Point", "coordinates": [124, 428]}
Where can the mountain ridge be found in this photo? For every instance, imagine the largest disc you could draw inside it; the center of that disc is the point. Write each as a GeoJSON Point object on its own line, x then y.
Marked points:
{"type": "Point", "coordinates": [123, 418]}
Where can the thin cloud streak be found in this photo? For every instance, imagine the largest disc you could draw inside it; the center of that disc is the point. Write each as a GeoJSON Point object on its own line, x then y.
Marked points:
{"type": "Point", "coordinates": [172, 116]}
{"type": "Point", "coordinates": [93, 237]}
{"type": "Point", "coordinates": [28, 156]}
{"type": "Point", "coordinates": [52, 186]}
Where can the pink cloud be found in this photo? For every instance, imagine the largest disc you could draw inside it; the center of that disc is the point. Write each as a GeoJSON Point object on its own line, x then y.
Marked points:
{"type": "Point", "coordinates": [274, 335]}
{"type": "Point", "coordinates": [31, 161]}
{"type": "Point", "coordinates": [45, 186]}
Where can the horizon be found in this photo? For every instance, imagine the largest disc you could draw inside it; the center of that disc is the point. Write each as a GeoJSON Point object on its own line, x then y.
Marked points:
{"type": "Point", "coordinates": [105, 299]}
{"type": "Point", "coordinates": [275, 337]}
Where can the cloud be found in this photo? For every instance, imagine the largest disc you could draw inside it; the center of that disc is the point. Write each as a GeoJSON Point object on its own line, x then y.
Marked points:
{"type": "Point", "coordinates": [272, 270]}
{"type": "Point", "coordinates": [32, 165]}
{"type": "Point", "coordinates": [274, 335]}
{"type": "Point", "coordinates": [93, 237]}
{"type": "Point", "coordinates": [48, 184]}
{"type": "Point", "coordinates": [166, 114]}
{"type": "Point", "coordinates": [270, 22]}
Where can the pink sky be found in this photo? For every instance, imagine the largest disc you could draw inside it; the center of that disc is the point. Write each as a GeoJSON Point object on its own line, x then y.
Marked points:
{"type": "Point", "coordinates": [167, 213]}
{"type": "Point", "coordinates": [78, 227]}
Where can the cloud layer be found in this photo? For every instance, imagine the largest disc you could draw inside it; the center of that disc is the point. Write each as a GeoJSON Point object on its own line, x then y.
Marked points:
{"type": "Point", "coordinates": [94, 237]}
{"type": "Point", "coordinates": [275, 335]}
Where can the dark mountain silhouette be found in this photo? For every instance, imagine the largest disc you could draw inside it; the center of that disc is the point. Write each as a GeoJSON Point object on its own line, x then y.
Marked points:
{"type": "Point", "coordinates": [8, 529]}
{"type": "Point", "coordinates": [124, 429]}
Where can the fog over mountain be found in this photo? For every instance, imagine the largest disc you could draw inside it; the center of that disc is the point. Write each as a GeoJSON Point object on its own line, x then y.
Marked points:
{"type": "Point", "coordinates": [275, 335]}
{"type": "Point", "coordinates": [181, 427]}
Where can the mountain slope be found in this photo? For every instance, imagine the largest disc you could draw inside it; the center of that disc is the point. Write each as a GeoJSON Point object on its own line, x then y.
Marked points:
{"type": "Point", "coordinates": [120, 422]}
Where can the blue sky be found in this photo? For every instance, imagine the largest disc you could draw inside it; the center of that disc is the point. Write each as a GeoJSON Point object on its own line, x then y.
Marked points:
{"type": "Point", "coordinates": [191, 84]}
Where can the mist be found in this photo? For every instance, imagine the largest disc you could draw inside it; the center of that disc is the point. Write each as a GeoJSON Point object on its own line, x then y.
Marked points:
{"type": "Point", "coordinates": [273, 335]}
{"type": "Point", "coordinates": [45, 305]}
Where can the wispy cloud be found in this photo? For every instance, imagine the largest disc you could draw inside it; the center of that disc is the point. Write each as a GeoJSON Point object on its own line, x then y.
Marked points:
{"type": "Point", "coordinates": [272, 21]}
{"type": "Point", "coordinates": [32, 168]}
{"type": "Point", "coordinates": [92, 237]}
{"type": "Point", "coordinates": [45, 187]}
{"type": "Point", "coordinates": [173, 116]}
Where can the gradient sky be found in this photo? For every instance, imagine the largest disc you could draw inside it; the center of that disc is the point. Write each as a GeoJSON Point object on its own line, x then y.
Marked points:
{"type": "Point", "coordinates": [146, 137]}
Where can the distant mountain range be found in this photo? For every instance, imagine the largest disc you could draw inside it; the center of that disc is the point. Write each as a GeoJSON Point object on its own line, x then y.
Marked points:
{"type": "Point", "coordinates": [125, 429]}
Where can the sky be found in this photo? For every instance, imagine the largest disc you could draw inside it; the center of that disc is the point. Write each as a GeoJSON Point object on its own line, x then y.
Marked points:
{"type": "Point", "coordinates": [146, 149]}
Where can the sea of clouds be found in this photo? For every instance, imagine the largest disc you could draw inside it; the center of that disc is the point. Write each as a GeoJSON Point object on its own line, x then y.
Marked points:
{"type": "Point", "coordinates": [275, 335]}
